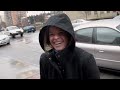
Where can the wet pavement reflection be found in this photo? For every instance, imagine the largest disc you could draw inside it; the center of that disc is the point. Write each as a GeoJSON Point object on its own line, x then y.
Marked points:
{"type": "Point", "coordinates": [15, 69]}
{"type": "Point", "coordinates": [26, 40]}
{"type": "Point", "coordinates": [20, 59]}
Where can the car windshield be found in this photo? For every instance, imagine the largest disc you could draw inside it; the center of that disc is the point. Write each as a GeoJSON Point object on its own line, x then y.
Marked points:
{"type": "Point", "coordinates": [78, 20]}
{"type": "Point", "coordinates": [12, 28]}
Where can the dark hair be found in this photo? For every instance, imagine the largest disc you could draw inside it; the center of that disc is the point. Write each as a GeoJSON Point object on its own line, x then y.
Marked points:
{"type": "Point", "coordinates": [47, 35]}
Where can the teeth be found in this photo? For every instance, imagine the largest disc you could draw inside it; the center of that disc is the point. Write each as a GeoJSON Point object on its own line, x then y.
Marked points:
{"type": "Point", "coordinates": [57, 43]}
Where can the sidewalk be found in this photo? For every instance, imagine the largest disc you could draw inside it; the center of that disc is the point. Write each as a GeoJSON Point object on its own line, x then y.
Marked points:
{"type": "Point", "coordinates": [15, 69]}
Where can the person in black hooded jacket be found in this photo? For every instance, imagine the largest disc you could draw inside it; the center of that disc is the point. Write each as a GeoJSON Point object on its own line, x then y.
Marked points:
{"type": "Point", "coordinates": [62, 60]}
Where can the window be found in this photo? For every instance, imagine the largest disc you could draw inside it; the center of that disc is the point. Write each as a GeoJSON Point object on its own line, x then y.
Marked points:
{"type": "Point", "coordinates": [108, 36]}
{"type": "Point", "coordinates": [84, 35]}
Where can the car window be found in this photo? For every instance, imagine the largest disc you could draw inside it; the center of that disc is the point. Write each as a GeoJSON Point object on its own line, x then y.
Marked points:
{"type": "Point", "coordinates": [12, 28]}
{"type": "Point", "coordinates": [84, 35]}
{"type": "Point", "coordinates": [108, 36]}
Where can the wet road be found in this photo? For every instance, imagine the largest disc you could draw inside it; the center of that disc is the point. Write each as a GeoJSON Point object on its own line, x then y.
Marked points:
{"type": "Point", "coordinates": [25, 49]}
{"type": "Point", "coordinates": [106, 74]}
{"type": "Point", "coordinates": [20, 59]}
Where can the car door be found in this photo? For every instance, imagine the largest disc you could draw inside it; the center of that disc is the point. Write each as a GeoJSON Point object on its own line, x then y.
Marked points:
{"type": "Point", "coordinates": [84, 39]}
{"type": "Point", "coordinates": [107, 48]}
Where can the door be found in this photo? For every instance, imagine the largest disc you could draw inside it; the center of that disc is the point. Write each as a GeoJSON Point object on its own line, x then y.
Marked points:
{"type": "Point", "coordinates": [107, 48]}
{"type": "Point", "coordinates": [84, 39]}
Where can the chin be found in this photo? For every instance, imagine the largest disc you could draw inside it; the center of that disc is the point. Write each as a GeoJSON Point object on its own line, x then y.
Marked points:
{"type": "Point", "coordinates": [59, 49]}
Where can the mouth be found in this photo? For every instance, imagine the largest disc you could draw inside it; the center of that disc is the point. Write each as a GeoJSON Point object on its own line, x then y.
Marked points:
{"type": "Point", "coordinates": [57, 43]}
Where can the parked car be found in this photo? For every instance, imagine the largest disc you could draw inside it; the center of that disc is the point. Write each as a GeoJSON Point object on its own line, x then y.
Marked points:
{"type": "Point", "coordinates": [102, 39]}
{"type": "Point", "coordinates": [4, 39]}
{"type": "Point", "coordinates": [78, 22]}
{"type": "Point", "coordinates": [117, 17]}
{"type": "Point", "coordinates": [14, 30]}
{"type": "Point", "coordinates": [29, 29]}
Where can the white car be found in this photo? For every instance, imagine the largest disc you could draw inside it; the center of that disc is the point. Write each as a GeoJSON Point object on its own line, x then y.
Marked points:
{"type": "Point", "coordinates": [78, 22]}
{"type": "Point", "coordinates": [4, 39]}
{"type": "Point", "coordinates": [117, 17]}
{"type": "Point", "coordinates": [14, 30]}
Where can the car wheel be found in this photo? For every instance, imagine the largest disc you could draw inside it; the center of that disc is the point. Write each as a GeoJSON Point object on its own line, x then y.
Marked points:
{"type": "Point", "coordinates": [21, 35]}
{"type": "Point", "coordinates": [8, 43]}
{"type": "Point", "coordinates": [13, 36]}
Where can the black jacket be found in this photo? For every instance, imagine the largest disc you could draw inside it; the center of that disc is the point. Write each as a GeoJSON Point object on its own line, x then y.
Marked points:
{"type": "Point", "coordinates": [70, 63]}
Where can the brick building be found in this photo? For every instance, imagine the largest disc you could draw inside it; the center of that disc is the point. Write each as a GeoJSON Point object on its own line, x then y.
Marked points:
{"type": "Point", "coordinates": [14, 17]}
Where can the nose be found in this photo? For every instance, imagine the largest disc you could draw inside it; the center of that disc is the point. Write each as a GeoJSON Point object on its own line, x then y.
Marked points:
{"type": "Point", "coordinates": [56, 36]}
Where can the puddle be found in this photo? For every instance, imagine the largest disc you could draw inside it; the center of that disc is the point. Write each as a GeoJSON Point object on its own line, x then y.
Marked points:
{"type": "Point", "coordinates": [16, 69]}
{"type": "Point", "coordinates": [26, 40]}
{"type": "Point", "coordinates": [18, 64]}
{"type": "Point", "coordinates": [29, 74]}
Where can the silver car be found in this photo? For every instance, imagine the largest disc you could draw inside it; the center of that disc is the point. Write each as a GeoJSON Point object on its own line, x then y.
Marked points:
{"type": "Point", "coordinates": [102, 39]}
{"type": "Point", "coordinates": [4, 39]}
{"type": "Point", "coordinates": [14, 30]}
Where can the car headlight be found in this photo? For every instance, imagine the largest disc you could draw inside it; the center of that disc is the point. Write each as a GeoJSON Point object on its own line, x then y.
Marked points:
{"type": "Point", "coordinates": [3, 38]}
{"type": "Point", "coordinates": [21, 30]}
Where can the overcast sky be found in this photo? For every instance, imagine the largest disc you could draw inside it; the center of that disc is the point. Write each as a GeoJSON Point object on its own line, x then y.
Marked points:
{"type": "Point", "coordinates": [1, 13]}
{"type": "Point", "coordinates": [36, 12]}
{"type": "Point", "coordinates": [29, 12]}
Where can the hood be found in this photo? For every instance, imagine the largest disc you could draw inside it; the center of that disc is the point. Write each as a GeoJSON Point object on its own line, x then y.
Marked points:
{"type": "Point", "coordinates": [3, 36]}
{"type": "Point", "coordinates": [14, 30]}
{"type": "Point", "coordinates": [61, 21]}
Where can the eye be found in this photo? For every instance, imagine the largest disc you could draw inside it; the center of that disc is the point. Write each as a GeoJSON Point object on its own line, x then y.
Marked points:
{"type": "Point", "coordinates": [50, 34]}
{"type": "Point", "coordinates": [62, 33]}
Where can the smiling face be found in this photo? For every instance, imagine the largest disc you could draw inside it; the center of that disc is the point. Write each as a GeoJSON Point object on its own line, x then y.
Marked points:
{"type": "Point", "coordinates": [58, 38]}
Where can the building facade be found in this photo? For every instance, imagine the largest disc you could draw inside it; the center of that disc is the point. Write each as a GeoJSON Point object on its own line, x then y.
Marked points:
{"type": "Point", "coordinates": [90, 15]}
{"type": "Point", "coordinates": [56, 12]}
{"type": "Point", "coordinates": [8, 18]}
{"type": "Point", "coordinates": [14, 17]}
